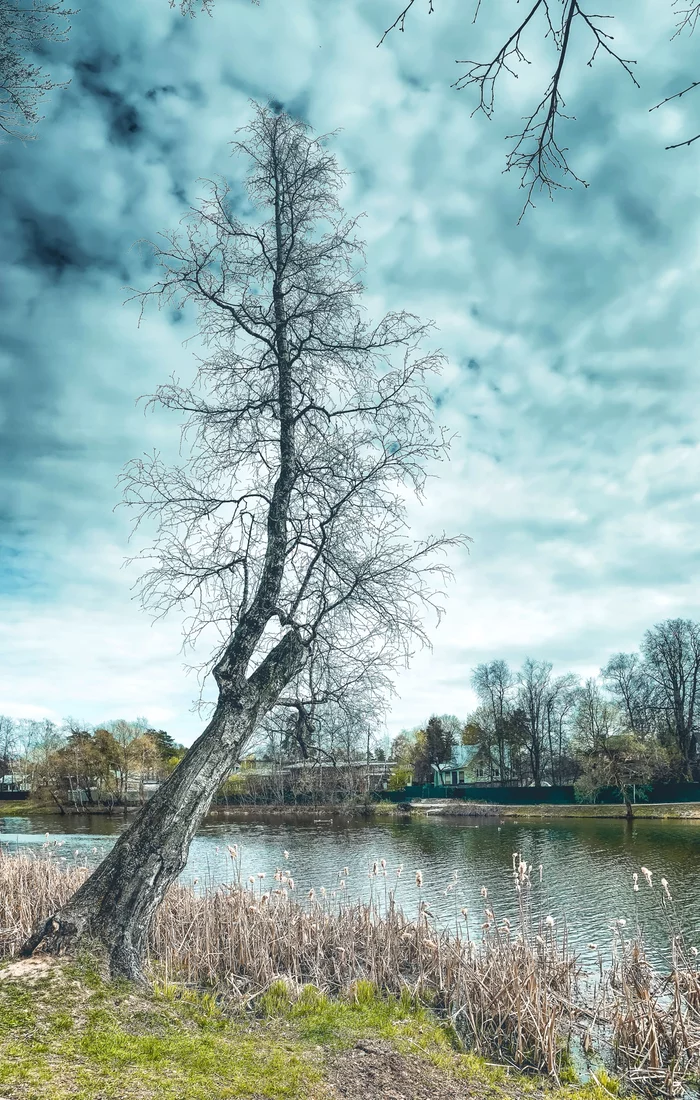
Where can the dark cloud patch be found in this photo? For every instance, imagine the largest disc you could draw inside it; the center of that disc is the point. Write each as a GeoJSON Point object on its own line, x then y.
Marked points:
{"type": "Point", "coordinates": [98, 64]}
{"type": "Point", "coordinates": [641, 216]}
{"type": "Point", "coordinates": [51, 242]}
{"type": "Point", "coordinates": [124, 121]}
{"type": "Point", "coordinates": [163, 90]}
{"type": "Point", "coordinates": [300, 106]}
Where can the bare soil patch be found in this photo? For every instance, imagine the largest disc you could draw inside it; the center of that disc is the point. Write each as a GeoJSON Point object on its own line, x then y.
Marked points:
{"type": "Point", "coordinates": [375, 1071]}
{"type": "Point", "coordinates": [29, 969]}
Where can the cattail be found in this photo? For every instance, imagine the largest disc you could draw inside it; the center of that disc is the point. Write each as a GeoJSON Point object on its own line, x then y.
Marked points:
{"type": "Point", "coordinates": [540, 870]}
{"type": "Point", "coordinates": [311, 895]}
{"type": "Point", "coordinates": [694, 951]}
{"type": "Point", "coordinates": [261, 874]}
{"type": "Point", "coordinates": [549, 921]}
{"type": "Point", "coordinates": [419, 878]}
{"type": "Point", "coordinates": [484, 892]}
{"type": "Point", "coordinates": [382, 864]}
{"type": "Point", "coordinates": [647, 875]}
{"type": "Point", "coordinates": [593, 947]}
{"type": "Point", "coordinates": [667, 892]}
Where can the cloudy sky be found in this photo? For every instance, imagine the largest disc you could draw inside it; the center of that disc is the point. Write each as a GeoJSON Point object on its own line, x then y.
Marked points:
{"type": "Point", "coordinates": [573, 380]}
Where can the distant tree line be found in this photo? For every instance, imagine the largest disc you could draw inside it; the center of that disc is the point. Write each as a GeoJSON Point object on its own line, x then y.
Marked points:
{"type": "Point", "coordinates": [634, 723]}
{"type": "Point", "coordinates": [84, 765]}
{"type": "Point", "coordinates": [305, 753]}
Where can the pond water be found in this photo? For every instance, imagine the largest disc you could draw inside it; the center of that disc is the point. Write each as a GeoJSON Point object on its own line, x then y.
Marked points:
{"type": "Point", "coordinates": [586, 877]}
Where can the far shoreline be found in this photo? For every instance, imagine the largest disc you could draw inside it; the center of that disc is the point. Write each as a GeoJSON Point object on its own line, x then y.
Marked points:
{"type": "Point", "coordinates": [417, 809]}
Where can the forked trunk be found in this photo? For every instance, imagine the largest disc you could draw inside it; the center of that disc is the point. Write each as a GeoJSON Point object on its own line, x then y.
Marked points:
{"type": "Point", "coordinates": [114, 908]}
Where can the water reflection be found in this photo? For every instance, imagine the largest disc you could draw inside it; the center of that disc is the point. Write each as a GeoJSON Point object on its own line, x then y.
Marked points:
{"type": "Point", "coordinates": [586, 878]}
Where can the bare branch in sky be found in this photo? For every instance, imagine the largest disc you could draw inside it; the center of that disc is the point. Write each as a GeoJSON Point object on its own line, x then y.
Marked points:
{"type": "Point", "coordinates": [24, 25]}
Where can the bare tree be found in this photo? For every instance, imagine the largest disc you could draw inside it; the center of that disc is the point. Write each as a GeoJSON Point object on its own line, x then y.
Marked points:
{"type": "Point", "coordinates": [125, 734]}
{"type": "Point", "coordinates": [323, 720]}
{"type": "Point", "coordinates": [494, 684]}
{"type": "Point", "coordinates": [534, 687]}
{"type": "Point", "coordinates": [284, 531]}
{"type": "Point", "coordinates": [627, 680]}
{"type": "Point", "coordinates": [8, 747]}
{"type": "Point", "coordinates": [24, 25]}
{"type": "Point", "coordinates": [610, 753]}
{"type": "Point", "coordinates": [559, 705]}
{"type": "Point", "coordinates": [671, 652]}
{"type": "Point", "coordinates": [537, 154]}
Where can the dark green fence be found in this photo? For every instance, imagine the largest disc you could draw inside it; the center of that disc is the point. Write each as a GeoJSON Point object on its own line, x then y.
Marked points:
{"type": "Point", "coordinates": [550, 796]}
{"type": "Point", "coordinates": [13, 796]}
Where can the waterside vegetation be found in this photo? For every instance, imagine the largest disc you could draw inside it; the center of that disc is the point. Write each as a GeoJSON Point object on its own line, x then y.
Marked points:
{"type": "Point", "coordinates": [510, 991]}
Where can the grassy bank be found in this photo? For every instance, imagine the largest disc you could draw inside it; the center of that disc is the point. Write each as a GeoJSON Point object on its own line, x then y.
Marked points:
{"type": "Point", "coordinates": [446, 807]}
{"type": "Point", "coordinates": [67, 1034]}
{"type": "Point", "coordinates": [25, 808]}
{"type": "Point", "coordinates": [32, 807]}
{"type": "Point", "coordinates": [449, 807]}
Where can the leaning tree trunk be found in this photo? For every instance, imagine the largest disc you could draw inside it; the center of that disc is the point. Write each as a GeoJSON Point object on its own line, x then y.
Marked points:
{"type": "Point", "coordinates": [114, 908]}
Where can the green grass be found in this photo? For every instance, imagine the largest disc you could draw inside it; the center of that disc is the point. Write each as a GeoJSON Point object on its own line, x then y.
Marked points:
{"type": "Point", "coordinates": [66, 1034]}
{"type": "Point", "coordinates": [383, 807]}
{"type": "Point", "coordinates": [23, 808]}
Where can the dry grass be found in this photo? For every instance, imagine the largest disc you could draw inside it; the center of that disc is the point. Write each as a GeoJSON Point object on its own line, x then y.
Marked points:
{"type": "Point", "coordinates": [515, 992]}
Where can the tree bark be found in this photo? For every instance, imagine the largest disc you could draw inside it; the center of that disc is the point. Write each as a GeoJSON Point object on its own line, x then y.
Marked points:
{"type": "Point", "coordinates": [114, 909]}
